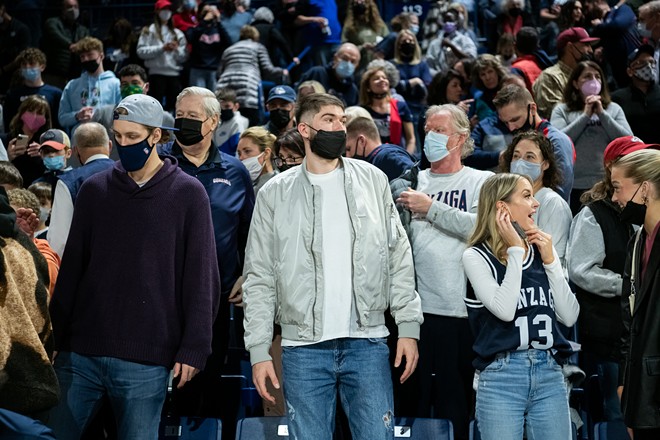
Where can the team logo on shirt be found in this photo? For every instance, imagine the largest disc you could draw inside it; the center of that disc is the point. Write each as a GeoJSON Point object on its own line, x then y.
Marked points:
{"type": "Point", "coordinates": [221, 180]}
{"type": "Point", "coordinates": [454, 198]}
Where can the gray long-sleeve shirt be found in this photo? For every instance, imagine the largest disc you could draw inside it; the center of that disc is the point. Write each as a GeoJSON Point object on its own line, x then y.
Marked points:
{"type": "Point", "coordinates": [590, 137]}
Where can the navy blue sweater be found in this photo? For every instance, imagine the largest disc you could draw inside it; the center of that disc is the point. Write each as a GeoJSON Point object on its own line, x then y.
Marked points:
{"type": "Point", "coordinates": [139, 278]}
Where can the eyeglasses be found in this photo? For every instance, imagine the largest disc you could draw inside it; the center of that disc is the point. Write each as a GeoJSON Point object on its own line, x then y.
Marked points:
{"type": "Point", "coordinates": [289, 160]}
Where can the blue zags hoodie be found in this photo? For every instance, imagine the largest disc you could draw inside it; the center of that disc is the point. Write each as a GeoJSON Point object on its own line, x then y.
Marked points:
{"type": "Point", "coordinates": [87, 91]}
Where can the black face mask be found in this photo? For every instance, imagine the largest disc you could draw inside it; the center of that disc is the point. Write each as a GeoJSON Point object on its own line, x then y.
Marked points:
{"type": "Point", "coordinates": [279, 117]}
{"type": "Point", "coordinates": [359, 8]}
{"type": "Point", "coordinates": [633, 212]}
{"type": "Point", "coordinates": [407, 49]}
{"type": "Point", "coordinates": [357, 155]}
{"type": "Point", "coordinates": [583, 56]}
{"type": "Point", "coordinates": [515, 12]}
{"type": "Point", "coordinates": [527, 125]}
{"type": "Point", "coordinates": [376, 95]}
{"type": "Point", "coordinates": [189, 131]}
{"type": "Point", "coordinates": [90, 66]}
{"type": "Point", "coordinates": [226, 114]}
{"type": "Point", "coordinates": [328, 144]}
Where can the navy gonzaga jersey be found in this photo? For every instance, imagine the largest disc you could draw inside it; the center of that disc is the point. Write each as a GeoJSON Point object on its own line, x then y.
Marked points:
{"type": "Point", "coordinates": [534, 324]}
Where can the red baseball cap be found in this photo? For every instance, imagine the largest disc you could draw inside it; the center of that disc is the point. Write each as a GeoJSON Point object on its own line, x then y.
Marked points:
{"type": "Point", "coordinates": [624, 145]}
{"type": "Point", "coordinates": [163, 4]}
{"type": "Point", "coordinates": [574, 35]}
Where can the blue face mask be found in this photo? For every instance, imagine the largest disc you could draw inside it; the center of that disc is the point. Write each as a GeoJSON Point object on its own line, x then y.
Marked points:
{"type": "Point", "coordinates": [344, 69]}
{"type": "Point", "coordinates": [54, 163]}
{"type": "Point", "coordinates": [31, 73]}
{"type": "Point", "coordinates": [530, 169]}
{"type": "Point", "coordinates": [414, 29]}
{"type": "Point", "coordinates": [435, 146]}
{"type": "Point", "coordinates": [133, 157]}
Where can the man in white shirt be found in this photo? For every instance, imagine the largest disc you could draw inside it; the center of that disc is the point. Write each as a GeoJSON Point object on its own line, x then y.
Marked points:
{"type": "Point", "coordinates": [326, 257]}
{"type": "Point", "coordinates": [439, 208]}
{"type": "Point", "coordinates": [92, 146]}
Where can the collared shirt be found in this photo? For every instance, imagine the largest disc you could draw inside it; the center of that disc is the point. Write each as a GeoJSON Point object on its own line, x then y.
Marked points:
{"type": "Point", "coordinates": [229, 187]}
{"type": "Point", "coordinates": [62, 213]}
{"type": "Point", "coordinates": [549, 87]}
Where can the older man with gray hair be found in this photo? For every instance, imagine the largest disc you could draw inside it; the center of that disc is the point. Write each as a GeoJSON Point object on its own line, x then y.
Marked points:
{"type": "Point", "coordinates": [92, 147]}
{"type": "Point", "coordinates": [438, 209]}
{"type": "Point", "coordinates": [229, 188]}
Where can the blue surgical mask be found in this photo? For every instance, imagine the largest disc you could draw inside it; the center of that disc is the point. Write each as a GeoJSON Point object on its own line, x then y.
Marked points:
{"type": "Point", "coordinates": [643, 31]}
{"type": "Point", "coordinates": [133, 157]}
{"type": "Point", "coordinates": [345, 69]}
{"type": "Point", "coordinates": [435, 146]}
{"type": "Point", "coordinates": [54, 163]}
{"type": "Point", "coordinates": [414, 29]}
{"type": "Point", "coordinates": [31, 73]}
{"type": "Point", "coordinates": [525, 168]}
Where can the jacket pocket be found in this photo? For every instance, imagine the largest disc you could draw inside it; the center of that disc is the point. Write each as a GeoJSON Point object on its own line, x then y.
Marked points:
{"type": "Point", "coordinates": [652, 365]}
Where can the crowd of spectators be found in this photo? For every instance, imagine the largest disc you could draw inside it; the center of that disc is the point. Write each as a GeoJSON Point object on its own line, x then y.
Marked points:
{"type": "Point", "coordinates": [557, 91]}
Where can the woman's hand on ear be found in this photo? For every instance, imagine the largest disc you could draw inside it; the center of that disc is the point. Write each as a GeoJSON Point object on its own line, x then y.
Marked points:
{"type": "Point", "coordinates": [506, 229]}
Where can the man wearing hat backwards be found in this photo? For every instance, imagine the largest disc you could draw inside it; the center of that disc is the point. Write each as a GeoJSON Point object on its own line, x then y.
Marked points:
{"type": "Point", "coordinates": [573, 46]}
{"type": "Point", "coordinates": [281, 105]}
{"type": "Point", "coordinates": [55, 150]}
{"type": "Point", "coordinates": [640, 101]}
{"type": "Point", "coordinates": [138, 287]}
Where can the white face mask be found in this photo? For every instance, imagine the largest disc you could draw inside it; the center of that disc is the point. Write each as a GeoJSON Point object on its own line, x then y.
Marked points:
{"type": "Point", "coordinates": [253, 166]}
{"type": "Point", "coordinates": [165, 14]}
{"type": "Point", "coordinates": [43, 214]}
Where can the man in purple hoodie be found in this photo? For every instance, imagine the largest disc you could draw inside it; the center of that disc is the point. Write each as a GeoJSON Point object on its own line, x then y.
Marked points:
{"type": "Point", "coordinates": [138, 288]}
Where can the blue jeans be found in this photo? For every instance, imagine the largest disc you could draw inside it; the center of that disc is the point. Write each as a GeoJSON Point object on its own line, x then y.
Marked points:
{"type": "Point", "coordinates": [358, 369]}
{"type": "Point", "coordinates": [203, 78]}
{"type": "Point", "coordinates": [136, 393]}
{"type": "Point", "coordinates": [523, 386]}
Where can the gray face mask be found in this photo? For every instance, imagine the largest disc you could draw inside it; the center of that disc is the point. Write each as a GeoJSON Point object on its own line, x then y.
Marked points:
{"type": "Point", "coordinates": [530, 169]}
{"type": "Point", "coordinates": [72, 14]}
{"type": "Point", "coordinates": [648, 72]}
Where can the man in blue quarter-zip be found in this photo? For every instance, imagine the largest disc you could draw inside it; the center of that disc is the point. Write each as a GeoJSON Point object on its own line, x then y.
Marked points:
{"type": "Point", "coordinates": [229, 187]}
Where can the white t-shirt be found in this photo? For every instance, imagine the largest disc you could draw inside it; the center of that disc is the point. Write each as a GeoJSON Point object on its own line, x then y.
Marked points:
{"type": "Point", "coordinates": [438, 249]}
{"type": "Point", "coordinates": [339, 313]}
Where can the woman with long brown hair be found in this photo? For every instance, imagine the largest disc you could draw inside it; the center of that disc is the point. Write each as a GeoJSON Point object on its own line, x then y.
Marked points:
{"type": "Point", "coordinates": [392, 117]}
{"type": "Point", "coordinates": [30, 122]}
{"type": "Point", "coordinates": [590, 118]}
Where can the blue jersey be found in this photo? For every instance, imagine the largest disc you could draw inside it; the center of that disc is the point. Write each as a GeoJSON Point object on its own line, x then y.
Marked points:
{"type": "Point", "coordinates": [534, 325]}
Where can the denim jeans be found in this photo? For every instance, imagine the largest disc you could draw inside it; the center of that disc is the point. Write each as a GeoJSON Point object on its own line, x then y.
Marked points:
{"type": "Point", "coordinates": [203, 78]}
{"type": "Point", "coordinates": [523, 386]}
{"type": "Point", "coordinates": [136, 393]}
{"type": "Point", "coordinates": [358, 369]}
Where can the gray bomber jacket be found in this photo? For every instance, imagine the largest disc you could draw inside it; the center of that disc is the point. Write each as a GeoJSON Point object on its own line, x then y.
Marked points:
{"type": "Point", "coordinates": [284, 266]}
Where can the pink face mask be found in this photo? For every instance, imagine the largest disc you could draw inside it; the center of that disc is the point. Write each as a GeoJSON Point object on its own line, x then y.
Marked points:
{"type": "Point", "coordinates": [591, 87]}
{"type": "Point", "coordinates": [33, 121]}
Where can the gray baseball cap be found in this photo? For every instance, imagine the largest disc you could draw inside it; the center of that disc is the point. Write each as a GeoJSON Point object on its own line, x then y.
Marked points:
{"type": "Point", "coordinates": [141, 109]}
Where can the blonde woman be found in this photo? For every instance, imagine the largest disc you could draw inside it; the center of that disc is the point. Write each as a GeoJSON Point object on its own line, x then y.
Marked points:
{"type": "Point", "coordinates": [255, 150]}
{"type": "Point", "coordinates": [520, 296]}
{"type": "Point", "coordinates": [636, 182]}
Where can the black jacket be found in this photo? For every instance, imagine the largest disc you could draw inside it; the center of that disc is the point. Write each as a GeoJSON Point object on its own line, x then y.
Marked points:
{"type": "Point", "coordinates": [640, 366]}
